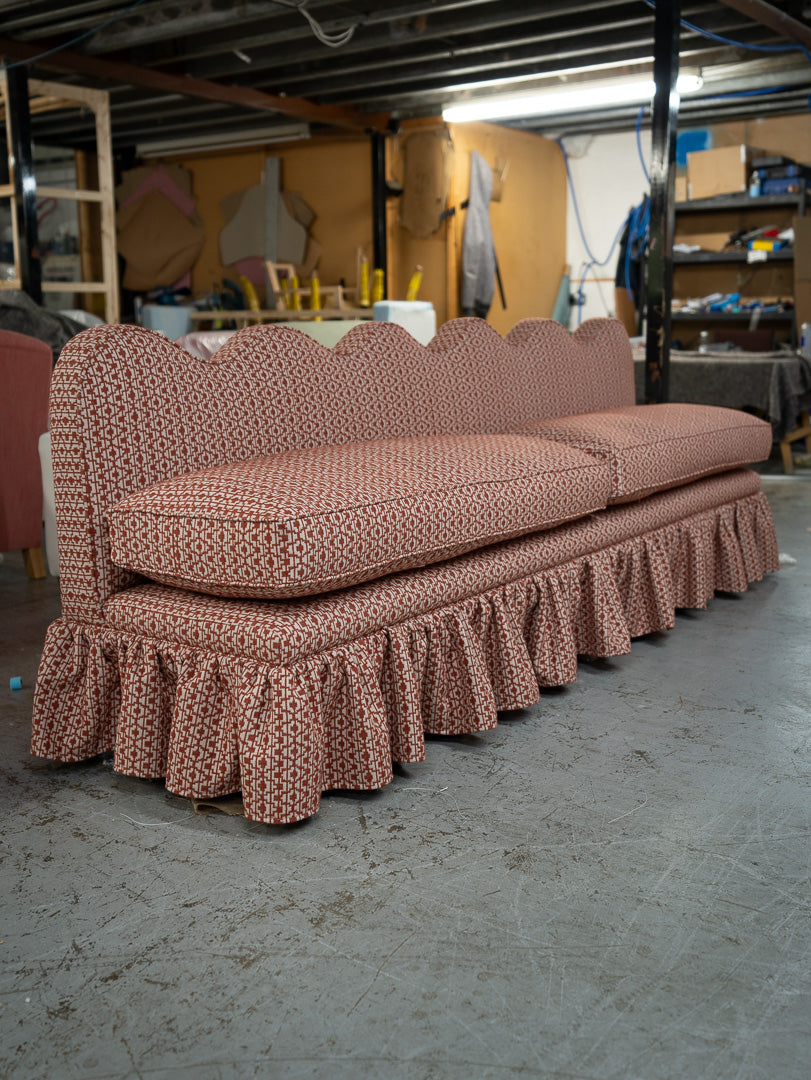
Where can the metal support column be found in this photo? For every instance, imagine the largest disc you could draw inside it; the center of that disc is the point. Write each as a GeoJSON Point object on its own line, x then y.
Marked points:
{"type": "Point", "coordinates": [25, 184]}
{"type": "Point", "coordinates": [379, 192]}
{"type": "Point", "coordinates": [662, 184]}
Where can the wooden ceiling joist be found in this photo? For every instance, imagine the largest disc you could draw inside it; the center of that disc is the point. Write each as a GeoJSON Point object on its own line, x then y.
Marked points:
{"type": "Point", "coordinates": [122, 72]}
{"type": "Point", "coordinates": [769, 15]}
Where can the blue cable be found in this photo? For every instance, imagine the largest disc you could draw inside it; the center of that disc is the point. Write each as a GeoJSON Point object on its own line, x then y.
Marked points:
{"type": "Point", "coordinates": [738, 44]}
{"type": "Point", "coordinates": [593, 260]}
{"type": "Point", "coordinates": [637, 233]}
{"type": "Point", "coordinates": [639, 116]}
{"type": "Point", "coordinates": [74, 41]}
{"type": "Point", "coordinates": [750, 93]}
{"type": "Point", "coordinates": [574, 201]}
{"type": "Point", "coordinates": [638, 220]}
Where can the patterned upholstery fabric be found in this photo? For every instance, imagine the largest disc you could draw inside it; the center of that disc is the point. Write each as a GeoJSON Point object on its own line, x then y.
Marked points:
{"type": "Point", "coordinates": [652, 447]}
{"type": "Point", "coordinates": [212, 719]}
{"type": "Point", "coordinates": [25, 375]}
{"type": "Point", "coordinates": [284, 699]}
{"type": "Point", "coordinates": [319, 518]}
{"type": "Point", "coordinates": [150, 411]}
{"type": "Point", "coordinates": [283, 632]}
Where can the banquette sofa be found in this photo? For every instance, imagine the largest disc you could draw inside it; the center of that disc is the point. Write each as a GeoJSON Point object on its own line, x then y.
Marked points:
{"type": "Point", "coordinates": [283, 565]}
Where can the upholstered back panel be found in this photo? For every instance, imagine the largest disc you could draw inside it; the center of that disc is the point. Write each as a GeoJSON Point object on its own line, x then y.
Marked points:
{"type": "Point", "coordinates": [25, 375]}
{"type": "Point", "coordinates": [130, 408]}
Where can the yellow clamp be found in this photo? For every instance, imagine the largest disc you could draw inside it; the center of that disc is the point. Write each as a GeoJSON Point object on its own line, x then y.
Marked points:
{"type": "Point", "coordinates": [412, 292]}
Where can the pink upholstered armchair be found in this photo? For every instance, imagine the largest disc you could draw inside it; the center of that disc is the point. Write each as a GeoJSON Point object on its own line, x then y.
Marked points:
{"type": "Point", "coordinates": [25, 377]}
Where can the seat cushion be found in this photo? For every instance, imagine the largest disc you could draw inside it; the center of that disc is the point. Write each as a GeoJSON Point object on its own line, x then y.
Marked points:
{"type": "Point", "coordinates": [308, 520]}
{"type": "Point", "coordinates": [653, 447]}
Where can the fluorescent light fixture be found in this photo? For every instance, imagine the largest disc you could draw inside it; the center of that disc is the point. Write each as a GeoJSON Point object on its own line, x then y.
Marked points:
{"type": "Point", "coordinates": [223, 141]}
{"type": "Point", "coordinates": [549, 102]}
{"type": "Point", "coordinates": [540, 83]}
{"type": "Point", "coordinates": [688, 83]}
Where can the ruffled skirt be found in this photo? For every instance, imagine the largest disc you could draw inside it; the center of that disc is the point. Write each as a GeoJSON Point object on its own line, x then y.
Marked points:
{"type": "Point", "coordinates": [285, 700]}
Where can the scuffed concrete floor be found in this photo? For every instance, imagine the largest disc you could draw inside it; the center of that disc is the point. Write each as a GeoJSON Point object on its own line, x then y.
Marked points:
{"type": "Point", "coordinates": [612, 886]}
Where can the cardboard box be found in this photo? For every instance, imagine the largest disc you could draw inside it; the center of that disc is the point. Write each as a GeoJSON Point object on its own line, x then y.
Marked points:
{"type": "Point", "coordinates": [706, 241]}
{"type": "Point", "coordinates": [681, 189]}
{"type": "Point", "coordinates": [802, 248]}
{"type": "Point", "coordinates": [767, 279]}
{"type": "Point", "coordinates": [802, 270]}
{"type": "Point", "coordinates": [723, 171]}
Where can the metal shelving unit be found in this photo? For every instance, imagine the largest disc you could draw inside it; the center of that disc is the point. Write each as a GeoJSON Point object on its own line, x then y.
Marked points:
{"type": "Point", "coordinates": [742, 202]}
{"type": "Point", "coordinates": [699, 257]}
{"type": "Point", "coordinates": [734, 316]}
{"type": "Point", "coordinates": [754, 207]}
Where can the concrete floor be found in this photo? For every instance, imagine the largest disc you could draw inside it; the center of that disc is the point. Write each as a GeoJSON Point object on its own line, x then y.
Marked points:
{"type": "Point", "coordinates": [612, 886]}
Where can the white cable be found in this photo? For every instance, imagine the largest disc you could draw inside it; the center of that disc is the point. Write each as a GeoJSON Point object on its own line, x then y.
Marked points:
{"type": "Point", "coordinates": [334, 41]}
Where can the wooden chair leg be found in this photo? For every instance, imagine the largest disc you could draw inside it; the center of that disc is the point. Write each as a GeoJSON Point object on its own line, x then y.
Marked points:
{"type": "Point", "coordinates": [34, 563]}
{"type": "Point", "coordinates": [801, 432]}
{"type": "Point", "coordinates": [785, 453]}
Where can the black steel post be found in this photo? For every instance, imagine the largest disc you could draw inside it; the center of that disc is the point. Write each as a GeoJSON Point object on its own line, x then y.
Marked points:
{"type": "Point", "coordinates": [662, 183]}
{"type": "Point", "coordinates": [380, 249]}
{"type": "Point", "coordinates": [25, 184]}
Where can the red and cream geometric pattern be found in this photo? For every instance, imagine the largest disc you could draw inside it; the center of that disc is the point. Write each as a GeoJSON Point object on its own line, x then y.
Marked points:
{"type": "Point", "coordinates": [213, 721]}
{"type": "Point", "coordinates": [130, 408]}
{"type": "Point", "coordinates": [284, 699]}
{"type": "Point", "coordinates": [306, 521]}
{"type": "Point", "coordinates": [282, 632]}
{"type": "Point", "coordinates": [653, 447]}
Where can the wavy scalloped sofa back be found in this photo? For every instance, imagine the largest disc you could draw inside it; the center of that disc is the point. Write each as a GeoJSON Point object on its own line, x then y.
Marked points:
{"type": "Point", "coordinates": [281, 566]}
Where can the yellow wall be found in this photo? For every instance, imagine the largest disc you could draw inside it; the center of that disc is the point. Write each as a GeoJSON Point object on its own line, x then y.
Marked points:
{"type": "Point", "coordinates": [213, 177]}
{"type": "Point", "coordinates": [334, 177]}
{"type": "Point", "coordinates": [529, 225]}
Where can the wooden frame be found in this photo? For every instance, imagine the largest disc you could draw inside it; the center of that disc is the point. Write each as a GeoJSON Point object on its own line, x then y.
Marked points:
{"type": "Point", "coordinates": [44, 97]}
{"type": "Point", "coordinates": [243, 318]}
{"type": "Point", "coordinates": [273, 269]}
{"type": "Point", "coordinates": [801, 432]}
{"type": "Point", "coordinates": [338, 293]}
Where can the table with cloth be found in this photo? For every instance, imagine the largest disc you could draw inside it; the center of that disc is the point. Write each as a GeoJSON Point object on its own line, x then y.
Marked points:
{"type": "Point", "coordinates": [776, 385]}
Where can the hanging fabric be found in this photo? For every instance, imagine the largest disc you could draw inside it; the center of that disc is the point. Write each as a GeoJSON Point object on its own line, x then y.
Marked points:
{"type": "Point", "coordinates": [478, 249]}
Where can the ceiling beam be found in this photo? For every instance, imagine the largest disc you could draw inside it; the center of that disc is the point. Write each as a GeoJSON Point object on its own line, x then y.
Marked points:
{"type": "Point", "coordinates": [121, 72]}
{"type": "Point", "coordinates": [448, 79]}
{"type": "Point", "coordinates": [589, 123]}
{"type": "Point", "coordinates": [774, 18]}
{"type": "Point", "coordinates": [498, 48]}
{"type": "Point", "coordinates": [151, 22]}
{"type": "Point", "coordinates": [298, 70]}
{"type": "Point", "coordinates": [79, 16]}
{"type": "Point", "coordinates": [271, 46]}
{"type": "Point", "coordinates": [279, 28]}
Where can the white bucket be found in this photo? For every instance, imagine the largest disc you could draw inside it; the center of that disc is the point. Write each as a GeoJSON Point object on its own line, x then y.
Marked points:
{"type": "Point", "coordinates": [166, 319]}
{"type": "Point", "coordinates": [417, 316]}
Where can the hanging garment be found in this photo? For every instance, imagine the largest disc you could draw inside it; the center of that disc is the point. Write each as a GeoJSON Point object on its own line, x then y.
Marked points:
{"type": "Point", "coordinates": [629, 281]}
{"type": "Point", "coordinates": [478, 250]}
{"type": "Point", "coordinates": [562, 311]}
